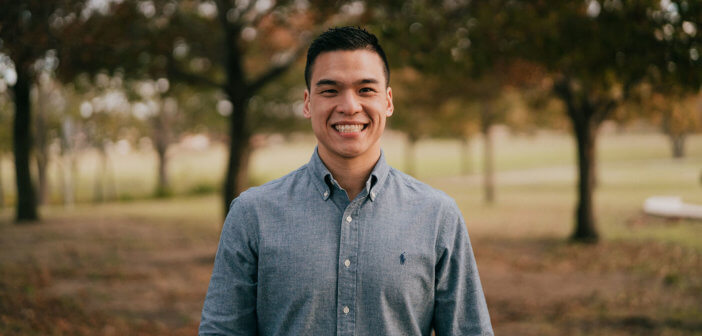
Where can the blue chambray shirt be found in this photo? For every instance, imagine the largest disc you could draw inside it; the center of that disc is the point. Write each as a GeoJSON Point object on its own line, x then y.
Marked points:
{"type": "Point", "coordinates": [297, 257]}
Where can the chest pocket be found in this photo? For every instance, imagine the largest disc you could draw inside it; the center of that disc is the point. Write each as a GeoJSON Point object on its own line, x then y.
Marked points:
{"type": "Point", "coordinates": [397, 267]}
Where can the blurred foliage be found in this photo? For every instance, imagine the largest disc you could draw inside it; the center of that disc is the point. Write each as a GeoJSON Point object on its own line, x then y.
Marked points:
{"type": "Point", "coordinates": [124, 70]}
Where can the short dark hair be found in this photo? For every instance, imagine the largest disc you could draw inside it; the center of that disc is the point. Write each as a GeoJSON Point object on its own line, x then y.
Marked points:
{"type": "Point", "coordinates": [344, 38]}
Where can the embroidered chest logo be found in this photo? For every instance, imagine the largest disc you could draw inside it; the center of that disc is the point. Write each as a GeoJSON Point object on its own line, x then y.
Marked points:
{"type": "Point", "coordinates": [402, 258]}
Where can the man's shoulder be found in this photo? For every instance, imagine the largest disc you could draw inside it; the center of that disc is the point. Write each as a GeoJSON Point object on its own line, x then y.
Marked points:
{"type": "Point", "coordinates": [417, 189]}
{"type": "Point", "coordinates": [274, 189]}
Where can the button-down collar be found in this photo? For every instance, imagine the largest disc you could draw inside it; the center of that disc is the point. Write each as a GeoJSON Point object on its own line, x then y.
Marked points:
{"type": "Point", "coordinates": [324, 180]}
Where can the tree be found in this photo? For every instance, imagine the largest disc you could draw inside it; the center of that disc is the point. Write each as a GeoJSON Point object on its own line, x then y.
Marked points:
{"type": "Point", "coordinates": [105, 115]}
{"type": "Point", "coordinates": [596, 54]}
{"type": "Point", "coordinates": [159, 110]}
{"type": "Point", "coordinates": [678, 116]}
{"type": "Point", "coordinates": [682, 119]}
{"type": "Point", "coordinates": [240, 86]}
{"type": "Point", "coordinates": [237, 47]}
{"type": "Point", "coordinates": [48, 103]}
{"type": "Point", "coordinates": [30, 30]}
{"type": "Point", "coordinates": [460, 46]}
{"type": "Point", "coordinates": [22, 22]}
{"type": "Point", "coordinates": [417, 103]}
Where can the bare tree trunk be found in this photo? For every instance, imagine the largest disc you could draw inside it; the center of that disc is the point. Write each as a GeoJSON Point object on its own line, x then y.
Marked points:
{"type": "Point", "coordinates": [99, 187]}
{"type": "Point", "coordinates": [2, 191]}
{"type": "Point", "coordinates": [486, 120]}
{"type": "Point", "coordinates": [67, 163]}
{"type": "Point", "coordinates": [42, 149]}
{"type": "Point", "coordinates": [110, 183]}
{"type": "Point", "coordinates": [162, 138]}
{"type": "Point", "coordinates": [585, 119]}
{"type": "Point", "coordinates": [22, 147]}
{"type": "Point", "coordinates": [162, 188]}
{"type": "Point", "coordinates": [238, 143]}
{"type": "Point", "coordinates": [161, 146]}
{"type": "Point", "coordinates": [243, 178]}
{"type": "Point", "coordinates": [238, 93]}
{"type": "Point", "coordinates": [74, 175]}
{"type": "Point", "coordinates": [64, 173]}
{"type": "Point", "coordinates": [410, 156]}
{"type": "Point", "coordinates": [465, 156]}
{"type": "Point", "coordinates": [585, 133]}
{"type": "Point", "coordinates": [678, 145]}
{"type": "Point", "coordinates": [69, 180]}
{"type": "Point", "coordinates": [677, 138]}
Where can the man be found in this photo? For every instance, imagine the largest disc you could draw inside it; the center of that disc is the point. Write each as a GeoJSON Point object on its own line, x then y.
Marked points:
{"type": "Point", "coordinates": [345, 245]}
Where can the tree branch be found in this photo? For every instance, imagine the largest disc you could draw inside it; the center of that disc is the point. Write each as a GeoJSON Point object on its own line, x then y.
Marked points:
{"type": "Point", "coordinates": [277, 70]}
{"type": "Point", "coordinates": [561, 87]}
{"type": "Point", "coordinates": [190, 78]}
{"type": "Point", "coordinates": [603, 109]}
{"type": "Point", "coordinates": [223, 6]}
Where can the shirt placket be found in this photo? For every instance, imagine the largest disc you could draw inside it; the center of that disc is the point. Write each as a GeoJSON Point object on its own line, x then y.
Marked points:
{"type": "Point", "coordinates": [348, 256]}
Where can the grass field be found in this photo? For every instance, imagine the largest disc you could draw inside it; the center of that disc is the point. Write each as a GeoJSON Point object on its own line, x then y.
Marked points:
{"type": "Point", "coordinates": [142, 267]}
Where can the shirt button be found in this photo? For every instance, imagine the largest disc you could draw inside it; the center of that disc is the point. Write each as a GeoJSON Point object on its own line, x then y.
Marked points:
{"type": "Point", "coordinates": [347, 263]}
{"type": "Point", "coordinates": [348, 219]}
{"type": "Point", "coordinates": [326, 193]}
{"type": "Point", "coordinates": [346, 310]}
{"type": "Point", "coordinates": [372, 194]}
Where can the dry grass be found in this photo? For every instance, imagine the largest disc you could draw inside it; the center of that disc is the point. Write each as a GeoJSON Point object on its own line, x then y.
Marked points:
{"type": "Point", "coordinates": [115, 270]}
{"type": "Point", "coordinates": [97, 271]}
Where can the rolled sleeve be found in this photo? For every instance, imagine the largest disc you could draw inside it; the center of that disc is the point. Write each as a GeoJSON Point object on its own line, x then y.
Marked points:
{"type": "Point", "coordinates": [230, 304]}
{"type": "Point", "coordinates": [460, 307]}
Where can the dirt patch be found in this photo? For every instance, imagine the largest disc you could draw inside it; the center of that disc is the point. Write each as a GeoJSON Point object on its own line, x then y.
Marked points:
{"type": "Point", "coordinates": [548, 287]}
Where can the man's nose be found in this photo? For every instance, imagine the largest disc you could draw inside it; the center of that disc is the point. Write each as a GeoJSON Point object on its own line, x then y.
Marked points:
{"type": "Point", "coordinates": [349, 103]}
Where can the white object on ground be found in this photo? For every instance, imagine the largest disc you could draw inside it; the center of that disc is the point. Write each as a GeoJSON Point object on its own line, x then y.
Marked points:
{"type": "Point", "coordinates": [671, 206]}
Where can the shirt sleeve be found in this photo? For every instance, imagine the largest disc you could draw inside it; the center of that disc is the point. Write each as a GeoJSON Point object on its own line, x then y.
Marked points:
{"type": "Point", "coordinates": [230, 304]}
{"type": "Point", "coordinates": [459, 307]}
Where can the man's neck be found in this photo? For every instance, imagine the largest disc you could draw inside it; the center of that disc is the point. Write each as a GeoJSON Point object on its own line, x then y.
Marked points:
{"type": "Point", "coordinates": [352, 173]}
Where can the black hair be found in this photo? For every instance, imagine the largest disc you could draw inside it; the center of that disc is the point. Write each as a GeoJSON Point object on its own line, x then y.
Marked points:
{"type": "Point", "coordinates": [344, 38]}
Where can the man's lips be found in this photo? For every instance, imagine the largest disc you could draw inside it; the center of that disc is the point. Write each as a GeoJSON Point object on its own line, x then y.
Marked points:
{"type": "Point", "coordinates": [349, 127]}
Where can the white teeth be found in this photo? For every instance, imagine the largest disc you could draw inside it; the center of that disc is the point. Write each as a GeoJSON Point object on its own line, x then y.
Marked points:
{"type": "Point", "coordinates": [349, 128]}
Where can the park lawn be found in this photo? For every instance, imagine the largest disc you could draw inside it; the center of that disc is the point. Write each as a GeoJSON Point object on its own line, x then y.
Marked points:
{"type": "Point", "coordinates": [142, 267]}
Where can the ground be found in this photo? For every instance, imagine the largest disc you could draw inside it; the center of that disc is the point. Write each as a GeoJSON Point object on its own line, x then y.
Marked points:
{"type": "Point", "coordinates": [142, 267]}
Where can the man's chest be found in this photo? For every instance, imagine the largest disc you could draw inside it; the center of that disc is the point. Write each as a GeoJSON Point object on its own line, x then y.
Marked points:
{"type": "Point", "coordinates": [365, 251]}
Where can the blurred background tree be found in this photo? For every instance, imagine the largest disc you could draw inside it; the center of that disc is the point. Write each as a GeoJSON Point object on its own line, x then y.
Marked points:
{"type": "Point", "coordinates": [592, 53]}
{"type": "Point", "coordinates": [5, 135]}
{"type": "Point", "coordinates": [680, 118]}
{"type": "Point", "coordinates": [27, 35]}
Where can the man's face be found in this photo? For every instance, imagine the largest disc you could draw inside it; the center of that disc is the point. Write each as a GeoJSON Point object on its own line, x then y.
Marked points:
{"type": "Point", "coordinates": [348, 103]}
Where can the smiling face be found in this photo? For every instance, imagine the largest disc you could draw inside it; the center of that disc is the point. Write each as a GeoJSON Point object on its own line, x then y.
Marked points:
{"type": "Point", "coordinates": [347, 103]}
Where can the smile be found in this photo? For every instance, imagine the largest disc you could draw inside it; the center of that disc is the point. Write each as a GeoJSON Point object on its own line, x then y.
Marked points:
{"type": "Point", "coordinates": [349, 128]}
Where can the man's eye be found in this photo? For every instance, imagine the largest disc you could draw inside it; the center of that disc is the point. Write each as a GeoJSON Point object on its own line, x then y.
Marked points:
{"type": "Point", "coordinates": [328, 92]}
{"type": "Point", "coordinates": [367, 90]}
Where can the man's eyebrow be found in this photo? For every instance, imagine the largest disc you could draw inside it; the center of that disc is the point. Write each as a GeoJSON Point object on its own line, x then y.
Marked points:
{"type": "Point", "coordinates": [367, 81]}
{"type": "Point", "coordinates": [325, 82]}
{"type": "Point", "coordinates": [358, 82]}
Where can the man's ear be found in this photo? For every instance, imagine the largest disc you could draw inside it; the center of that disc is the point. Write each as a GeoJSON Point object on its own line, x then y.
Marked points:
{"type": "Point", "coordinates": [306, 105]}
{"type": "Point", "coordinates": [390, 108]}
